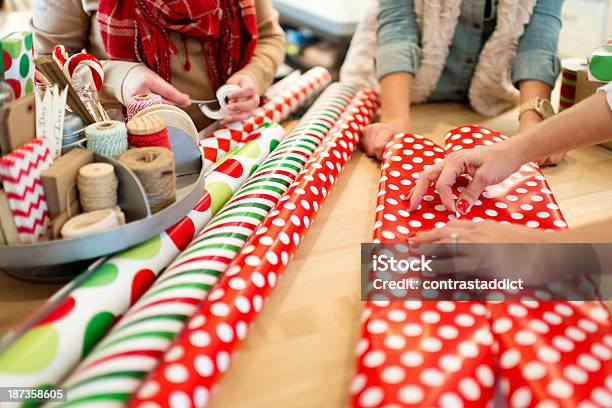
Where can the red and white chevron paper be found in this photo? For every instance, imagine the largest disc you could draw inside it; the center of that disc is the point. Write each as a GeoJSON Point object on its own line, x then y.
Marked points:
{"type": "Point", "coordinates": [21, 172]}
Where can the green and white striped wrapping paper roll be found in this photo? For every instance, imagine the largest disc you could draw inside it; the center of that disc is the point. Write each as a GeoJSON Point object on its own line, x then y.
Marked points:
{"type": "Point", "coordinates": [46, 353]}
{"type": "Point", "coordinates": [114, 369]}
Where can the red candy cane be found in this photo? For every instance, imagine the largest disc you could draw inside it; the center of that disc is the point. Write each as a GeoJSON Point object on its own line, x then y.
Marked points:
{"type": "Point", "coordinates": [239, 296]}
{"type": "Point", "coordinates": [82, 59]}
{"type": "Point", "coordinates": [60, 55]}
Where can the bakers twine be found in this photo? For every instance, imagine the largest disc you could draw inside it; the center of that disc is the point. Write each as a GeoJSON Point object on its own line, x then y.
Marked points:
{"type": "Point", "coordinates": [147, 131]}
{"type": "Point", "coordinates": [137, 103]}
{"type": "Point", "coordinates": [154, 167]}
{"type": "Point", "coordinates": [97, 185]}
{"type": "Point", "coordinates": [107, 138]}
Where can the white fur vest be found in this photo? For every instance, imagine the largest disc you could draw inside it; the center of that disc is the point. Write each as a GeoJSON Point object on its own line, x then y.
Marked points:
{"type": "Point", "coordinates": [491, 90]}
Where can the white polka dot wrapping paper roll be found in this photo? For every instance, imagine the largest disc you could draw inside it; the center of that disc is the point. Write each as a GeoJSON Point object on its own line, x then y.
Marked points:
{"type": "Point", "coordinates": [135, 343]}
{"type": "Point", "coordinates": [441, 353]}
{"type": "Point", "coordinates": [202, 353]}
{"type": "Point", "coordinates": [278, 109]}
{"type": "Point", "coordinates": [48, 352]}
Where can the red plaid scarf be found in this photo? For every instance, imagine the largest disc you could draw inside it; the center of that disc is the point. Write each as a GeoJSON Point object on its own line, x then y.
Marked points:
{"type": "Point", "coordinates": [138, 30]}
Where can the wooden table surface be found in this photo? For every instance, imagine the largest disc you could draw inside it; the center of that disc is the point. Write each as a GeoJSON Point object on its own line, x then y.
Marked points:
{"type": "Point", "coordinates": [299, 353]}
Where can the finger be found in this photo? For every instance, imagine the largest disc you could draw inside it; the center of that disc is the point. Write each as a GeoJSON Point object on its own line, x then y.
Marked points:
{"type": "Point", "coordinates": [244, 92]}
{"type": "Point", "coordinates": [422, 184]}
{"type": "Point", "coordinates": [248, 106]}
{"type": "Point", "coordinates": [470, 194]}
{"type": "Point", "coordinates": [446, 180]}
{"type": "Point", "coordinates": [169, 93]}
{"type": "Point", "coordinates": [461, 224]}
{"type": "Point", "coordinates": [427, 237]}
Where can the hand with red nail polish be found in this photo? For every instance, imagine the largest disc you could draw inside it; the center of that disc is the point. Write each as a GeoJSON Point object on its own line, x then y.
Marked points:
{"type": "Point", "coordinates": [486, 166]}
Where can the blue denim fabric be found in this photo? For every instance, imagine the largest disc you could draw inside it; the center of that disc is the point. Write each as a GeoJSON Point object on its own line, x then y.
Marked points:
{"type": "Point", "coordinates": [399, 45]}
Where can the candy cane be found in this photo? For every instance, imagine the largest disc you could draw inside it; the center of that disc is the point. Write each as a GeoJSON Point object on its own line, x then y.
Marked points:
{"type": "Point", "coordinates": [94, 65]}
{"type": "Point", "coordinates": [60, 55]}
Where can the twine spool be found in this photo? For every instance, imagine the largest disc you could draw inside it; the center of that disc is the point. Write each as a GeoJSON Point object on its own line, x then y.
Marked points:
{"type": "Point", "coordinates": [107, 138]}
{"type": "Point", "coordinates": [148, 131]}
{"type": "Point", "coordinates": [154, 167]}
{"type": "Point", "coordinates": [569, 76]}
{"type": "Point", "coordinates": [93, 222]}
{"type": "Point", "coordinates": [137, 103]}
{"type": "Point", "coordinates": [97, 185]}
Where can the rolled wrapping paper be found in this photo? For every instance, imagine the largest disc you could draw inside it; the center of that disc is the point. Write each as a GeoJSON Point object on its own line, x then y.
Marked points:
{"type": "Point", "coordinates": [223, 93]}
{"type": "Point", "coordinates": [44, 354]}
{"type": "Point", "coordinates": [137, 103]}
{"type": "Point", "coordinates": [107, 138]}
{"type": "Point", "coordinates": [569, 76]}
{"type": "Point", "coordinates": [147, 131]}
{"type": "Point", "coordinates": [154, 167]}
{"type": "Point", "coordinates": [97, 185]}
{"type": "Point", "coordinates": [600, 62]}
{"type": "Point", "coordinates": [438, 353]}
{"type": "Point", "coordinates": [203, 351]}
{"type": "Point", "coordinates": [92, 223]}
{"type": "Point", "coordinates": [112, 371]}
{"type": "Point", "coordinates": [277, 109]}
{"type": "Point", "coordinates": [155, 319]}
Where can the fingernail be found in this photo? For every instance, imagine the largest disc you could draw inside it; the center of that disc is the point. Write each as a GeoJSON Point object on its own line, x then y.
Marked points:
{"type": "Point", "coordinates": [463, 206]}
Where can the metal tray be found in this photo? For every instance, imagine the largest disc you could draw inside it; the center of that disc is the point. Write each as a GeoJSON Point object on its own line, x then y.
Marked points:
{"type": "Point", "coordinates": [53, 261]}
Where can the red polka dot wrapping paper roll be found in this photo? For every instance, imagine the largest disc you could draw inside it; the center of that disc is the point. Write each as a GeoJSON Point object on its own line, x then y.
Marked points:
{"type": "Point", "coordinates": [234, 303]}
{"type": "Point", "coordinates": [439, 353]}
{"type": "Point", "coordinates": [47, 352]}
{"type": "Point", "coordinates": [222, 140]}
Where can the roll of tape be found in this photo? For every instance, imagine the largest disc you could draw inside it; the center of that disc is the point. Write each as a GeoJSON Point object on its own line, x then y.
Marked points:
{"type": "Point", "coordinates": [107, 138]}
{"type": "Point", "coordinates": [223, 94]}
{"type": "Point", "coordinates": [93, 223]}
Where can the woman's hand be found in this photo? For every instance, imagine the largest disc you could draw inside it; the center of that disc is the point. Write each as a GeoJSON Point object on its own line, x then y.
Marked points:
{"type": "Point", "coordinates": [243, 102]}
{"type": "Point", "coordinates": [141, 79]}
{"type": "Point", "coordinates": [470, 232]}
{"type": "Point", "coordinates": [486, 166]}
{"type": "Point", "coordinates": [375, 136]}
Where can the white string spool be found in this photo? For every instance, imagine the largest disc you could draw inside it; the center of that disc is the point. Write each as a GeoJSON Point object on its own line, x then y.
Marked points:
{"type": "Point", "coordinates": [93, 222]}
{"type": "Point", "coordinates": [107, 138]}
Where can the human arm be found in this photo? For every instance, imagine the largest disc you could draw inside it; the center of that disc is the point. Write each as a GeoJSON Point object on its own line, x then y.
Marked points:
{"type": "Point", "coordinates": [397, 60]}
{"type": "Point", "coordinates": [588, 122]}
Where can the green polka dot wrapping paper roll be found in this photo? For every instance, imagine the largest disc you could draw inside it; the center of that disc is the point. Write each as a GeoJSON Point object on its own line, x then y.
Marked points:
{"type": "Point", "coordinates": [46, 353]}
{"type": "Point", "coordinates": [202, 353]}
{"type": "Point", "coordinates": [18, 62]}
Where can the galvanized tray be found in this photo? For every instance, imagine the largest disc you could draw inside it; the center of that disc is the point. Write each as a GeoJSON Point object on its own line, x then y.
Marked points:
{"type": "Point", "coordinates": [58, 260]}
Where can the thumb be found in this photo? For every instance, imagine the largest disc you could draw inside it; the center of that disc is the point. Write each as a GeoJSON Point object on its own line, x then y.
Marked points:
{"type": "Point", "coordinates": [470, 194]}
{"type": "Point", "coordinates": [169, 92]}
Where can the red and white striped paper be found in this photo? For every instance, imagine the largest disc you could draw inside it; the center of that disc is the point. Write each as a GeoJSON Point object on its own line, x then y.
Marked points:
{"type": "Point", "coordinates": [21, 172]}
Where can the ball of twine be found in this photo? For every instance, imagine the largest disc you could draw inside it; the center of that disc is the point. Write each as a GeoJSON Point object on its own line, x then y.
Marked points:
{"type": "Point", "coordinates": [154, 167]}
{"type": "Point", "coordinates": [97, 185]}
{"type": "Point", "coordinates": [107, 138]}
